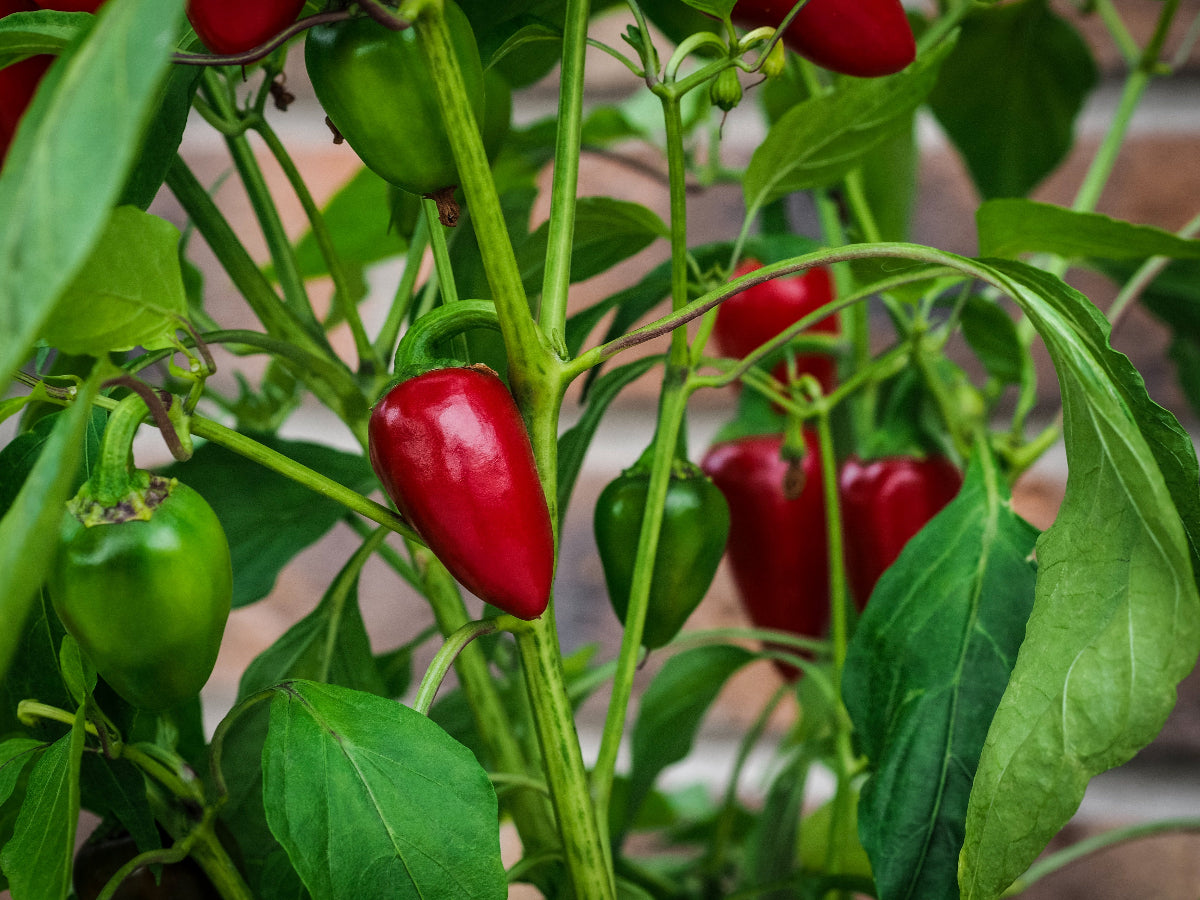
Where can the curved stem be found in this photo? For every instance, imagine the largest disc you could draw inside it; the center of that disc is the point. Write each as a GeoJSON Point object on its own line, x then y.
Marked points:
{"type": "Point", "coordinates": [444, 659]}
{"type": "Point", "coordinates": [385, 341]}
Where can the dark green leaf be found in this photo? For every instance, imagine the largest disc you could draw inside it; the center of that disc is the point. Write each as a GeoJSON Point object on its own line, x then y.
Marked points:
{"type": "Point", "coordinates": [672, 709]}
{"type": "Point", "coordinates": [924, 673]}
{"type": "Point", "coordinates": [163, 137]}
{"type": "Point", "coordinates": [37, 860]}
{"type": "Point", "coordinates": [372, 799]}
{"type": "Point", "coordinates": [329, 645]}
{"type": "Point", "coordinates": [267, 517]}
{"type": "Point", "coordinates": [1009, 93]}
{"type": "Point", "coordinates": [116, 789]}
{"type": "Point", "coordinates": [268, 872]}
{"type": "Point", "coordinates": [818, 141]}
{"type": "Point", "coordinates": [15, 754]}
{"type": "Point", "coordinates": [128, 293]}
{"type": "Point", "coordinates": [54, 199]}
{"type": "Point", "coordinates": [34, 672]}
{"type": "Point", "coordinates": [719, 8]}
{"type": "Point", "coordinates": [573, 444]}
{"type": "Point", "coordinates": [1116, 617]}
{"type": "Point", "coordinates": [993, 336]}
{"type": "Point", "coordinates": [1008, 228]}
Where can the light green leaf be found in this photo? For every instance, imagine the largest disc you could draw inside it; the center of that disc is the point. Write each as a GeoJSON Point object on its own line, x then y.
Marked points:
{"type": "Point", "coordinates": [1008, 228]}
{"type": "Point", "coordinates": [24, 34]}
{"type": "Point", "coordinates": [37, 860]}
{"type": "Point", "coordinates": [129, 292]}
{"type": "Point", "coordinates": [924, 673]}
{"type": "Point", "coordinates": [372, 799]}
{"type": "Point", "coordinates": [1116, 617]}
{"type": "Point", "coordinates": [37, 510]}
{"type": "Point", "coordinates": [818, 141]}
{"type": "Point", "coordinates": [71, 158]}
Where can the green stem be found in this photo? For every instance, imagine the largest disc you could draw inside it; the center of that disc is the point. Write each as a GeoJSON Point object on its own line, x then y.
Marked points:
{"type": "Point", "coordinates": [677, 186]}
{"type": "Point", "coordinates": [114, 479]}
{"type": "Point", "coordinates": [1077, 851]}
{"type": "Point", "coordinates": [585, 848]}
{"type": "Point", "coordinates": [444, 659]}
{"type": "Point", "coordinates": [1146, 273]}
{"type": "Point", "coordinates": [522, 340]}
{"type": "Point", "coordinates": [283, 256]}
{"type": "Point", "coordinates": [311, 479]}
{"type": "Point", "coordinates": [445, 272]}
{"type": "Point", "coordinates": [671, 412]}
{"type": "Point", "coordinates": [494, 721]}
{"type": "Point", "coordinates": [402, 300]}
{"type": "Point", "coordinates": [342, 294]}
{"type": "Point", "coordinates": [568, 140]}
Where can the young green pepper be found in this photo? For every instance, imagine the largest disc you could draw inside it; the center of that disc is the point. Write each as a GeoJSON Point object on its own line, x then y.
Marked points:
{"type": "Point", "coordinates": [379, 94]}
{"type": "Point", "coordinates": [143, 579]}
{"type": "Point", "coordinates": [695, 527]}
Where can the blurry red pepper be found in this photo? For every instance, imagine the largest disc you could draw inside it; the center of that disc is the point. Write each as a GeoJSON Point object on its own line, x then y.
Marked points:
{"type": "Point", "coordinates": [452, 452]}
{"type": "Point", "coordinates": [18, 82]}
{"type": "Point", "coordinates": [866, 38]}
{"type": "Point", "coordinates": [778, 548]}
{"type": "Point", "coordinates": [235, 26]}
{"type": "Point", "coordinates": [884, 503]}
{"type": "Point", "coordinates": [72, 5]}
{"type": "Point", "coordinates": [752, 317]}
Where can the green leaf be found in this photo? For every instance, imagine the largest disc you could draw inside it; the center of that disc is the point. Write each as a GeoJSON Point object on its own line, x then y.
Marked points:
{"type": "Point", "coordinates": [372, 799]}
{"type": "Point", "coordinates": [37, 860]}
{"type": "Point", "coordinates": [329, 645]}
{"type": "Point", "coordinates": [15, 754]}
{"type": "Point", "coordinates": [128, 293]}
{"type": "Point", "coordinates": [719, 8]}
{"type": "Point", "coordinates": [1009, 93]}
{"type": "Point", "coordinates": [607, 232]}
{"type": "Point", "coordinates": [116, 789]}
{"type": "Point", "coordinates": [1008, 228]}
{"type": "Point", "coordinates": [574, 442]}
{"type": "Point", "coordinates": [24, 34]}
{"type": "Point", "coordinates": [265, 536]}
{"type": "Point", "coordinates": [672, 709]}
{"type": "Point", "coordinates": [71, 158]}
{"type": "Point", "coordinates": [163, 137]}
{"type": "Point", "coordinates": [924, 672]}
{"type": "Point", "coordinates": [36, 511]}
{"type": "Point", "coordinates": [1116, 617]}
{"type": "Point", "coordinates": [818, 141]}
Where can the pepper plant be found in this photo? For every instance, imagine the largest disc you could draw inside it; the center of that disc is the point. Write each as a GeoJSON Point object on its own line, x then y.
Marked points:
{"type": "Point", "coordinates": [992, 671]}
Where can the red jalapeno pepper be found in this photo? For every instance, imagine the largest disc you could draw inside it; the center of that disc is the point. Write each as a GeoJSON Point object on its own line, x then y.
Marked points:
{"type": "Point", "coordinates": [885, 502]}
{"type": "Point", "coordinates": [452, 452]}
{"type": "Point", "coordinates": [867, 38]}
{"type": "Point", "coordinates": [752, 317]}
{"type": "Point", "coordinates": [778, 549]}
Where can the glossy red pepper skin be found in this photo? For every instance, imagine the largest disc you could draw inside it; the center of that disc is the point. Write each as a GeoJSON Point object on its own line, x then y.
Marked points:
{"type": "Point", "coordinates": [18, 82]}
{"type": "Point", "coordinates": [452, 452]}
{"type": "Point", "coordinates": [235, 26]}
{"type": "Point", "coordinates": [752, 317]}
{"type": "Point", "coordinates": [778, 548]}
{"type": "Point", "coordinates": [884, 503]}
{"type": "Point", "coordinates": [867, 38]}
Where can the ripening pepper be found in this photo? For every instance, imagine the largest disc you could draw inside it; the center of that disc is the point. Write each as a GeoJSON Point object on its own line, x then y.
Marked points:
{"type": "Point", "coordinates": [452, 452]}
{"type": "Point", "coordinates": [752, 317]}
{"type": "Point", "coordinates": [867, 38]}
{"type": "Point", "coordinates": [375, 87]}
{"type": "Point", "coordinates": [695, 526]}
{"type": "Point", "coordinates": [778, 548]}
{"type": "Point", "coordinates": [885, 502]}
